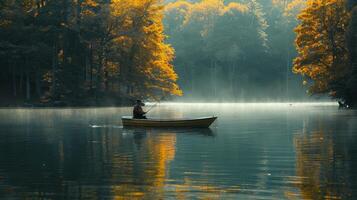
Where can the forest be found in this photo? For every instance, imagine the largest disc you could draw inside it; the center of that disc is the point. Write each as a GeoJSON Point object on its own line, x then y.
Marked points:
{"type": "Point", "coordinates": [85, 52]}
{"type": "Point", "coordinates": [234, 51]}
{"type": "Point", "coordinates": [109, 52]}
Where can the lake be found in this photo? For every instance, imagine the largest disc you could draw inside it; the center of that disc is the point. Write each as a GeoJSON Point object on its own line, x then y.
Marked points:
{"type": "Point", "coordinates": [253, 151]}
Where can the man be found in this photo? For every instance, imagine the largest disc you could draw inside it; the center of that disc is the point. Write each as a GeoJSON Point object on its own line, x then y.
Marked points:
{"type": "Point", "coordinates": [138, 112]}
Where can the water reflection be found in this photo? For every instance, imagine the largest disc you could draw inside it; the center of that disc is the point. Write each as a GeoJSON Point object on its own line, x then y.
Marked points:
{"type": "Point", "coordinates": [104, 162]}
{"type": "Point", "coordinates": [254, 152]}
{"type": "Point", "coordinates": [325, 162]}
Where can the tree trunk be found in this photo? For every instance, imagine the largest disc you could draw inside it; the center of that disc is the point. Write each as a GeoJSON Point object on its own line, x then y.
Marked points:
{"type": "Point", "coordinates": [212, 78]}
{"type": "Point", "coordinates": [100, 71]}
{"type": "Point", "coordinates": [130, 70]}
{"type": "Point", "coordinates": [231, 74]}
{"type": "Point", "coordinates": [192, 80]}
{"type": "Point", "coordinates": [288, 68]}
{"type": "Point", "coordinates": [235, 78]}
{"type": "Point", "coordinates": [106, 81]}
{"type": "Point", "coordinates": [87, 64]}
{"type": "Point", "coordinates": [21, 81]}
{"type": "Point", "coordinates": [14, 88]}
{"type": "Point", "coordinates": [91, 66]}
{"type": "Point", "coordinates": [215, 79]}
{"type": "Point", "coordinates": [54, 69]}
{"type": "Point", "coordinates": [38, 84]}
{"type": "Point", "coordinates": [28, 86]}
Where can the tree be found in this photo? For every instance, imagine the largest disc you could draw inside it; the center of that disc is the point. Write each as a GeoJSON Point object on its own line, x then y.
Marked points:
{"type": "Point", "coordinates": [321, 43]}
{"type": "Point", "coordinates": [218, 42]}
{"type": "Point", "coordinates": [147, 68]}
{"type": "Point", "coordinates": [351, 87]}
{"type": "Point", "coordinates": [85, 52]}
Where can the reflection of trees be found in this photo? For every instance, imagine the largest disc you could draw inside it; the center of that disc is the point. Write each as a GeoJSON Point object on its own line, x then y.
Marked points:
{"type": "Point", "coordinates": [88, 164]}
{"type": "Point", "coordinates": [323, 162]}
{"type": "Point", "coordinates": [95, 164]}
{"type": "Point", "coordinates": [128, 166]}
{"type": "Point", "coordinates": [148, 170]}
{"type": "Point", "coordinates": [49, 157]}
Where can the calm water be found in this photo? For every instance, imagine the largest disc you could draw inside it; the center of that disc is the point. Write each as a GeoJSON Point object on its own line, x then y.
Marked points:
{"type": "Point", "coordinates": [254, 151]}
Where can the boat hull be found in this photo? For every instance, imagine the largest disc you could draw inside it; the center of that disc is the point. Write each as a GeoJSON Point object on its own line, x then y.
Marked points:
{"type": "Point", "coordinates": [187, 123]}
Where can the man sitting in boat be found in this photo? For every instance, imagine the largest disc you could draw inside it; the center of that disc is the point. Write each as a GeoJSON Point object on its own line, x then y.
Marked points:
{"type": "Point", "coordinates": [138, 112]}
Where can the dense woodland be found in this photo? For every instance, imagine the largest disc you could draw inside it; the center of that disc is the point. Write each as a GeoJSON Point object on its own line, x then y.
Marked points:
{"type": "Point", "coordinates": [109, 52]}
{"type": "Point", "coordinates": [244, 50]}
{"type": "Point", "coordinates": [234, 50]}
{"type": "Point", "coordinates": [85, 52]}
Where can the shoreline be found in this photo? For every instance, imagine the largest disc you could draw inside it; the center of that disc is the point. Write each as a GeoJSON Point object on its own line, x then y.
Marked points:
{"type": "Point", "coordinates": [173, 103]}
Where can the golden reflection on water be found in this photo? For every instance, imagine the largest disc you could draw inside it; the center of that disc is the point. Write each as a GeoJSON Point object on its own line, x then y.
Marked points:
{"type": "Point", "coordinates": [320, 169]}
{"type": "Point", "coordinates": [161, 150]}
{"type": "Point", "coordinates": [59, 156]}
{"type": "Point", "coordinates": [207, 191]}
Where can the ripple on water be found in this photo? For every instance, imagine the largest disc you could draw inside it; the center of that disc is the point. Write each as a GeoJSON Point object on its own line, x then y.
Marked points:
{"type": "Point", "coordinates": [254, 151]}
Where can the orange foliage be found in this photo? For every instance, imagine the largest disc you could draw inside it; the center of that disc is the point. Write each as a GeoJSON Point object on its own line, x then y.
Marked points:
{"type": "Point", "coordinates": [90, 3]}
{"type": "Point", "coordinates": [205, 11]}
{"type": "Point", "coordinates": [144, 38]}
{"type": "Point", "coordinates": [321, 43]}
{"type": "Point", "coordinates": [231, 7]}
{"type": "Point", "coordinates": [87, 6]}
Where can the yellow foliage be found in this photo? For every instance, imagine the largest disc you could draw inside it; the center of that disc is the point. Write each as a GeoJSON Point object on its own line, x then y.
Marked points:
{"type": "Point", "coordinates": [321, 43]}
{"type": "Point", "coordinates": [314, 151]}
{"type": "Point", "coordinates": [181, 6]}
{"type": "Point", "coordinates": [5, 23]}
{"type": "Point", "coordinates": [205, 11]}
{"type": "Point", "coordinates": [294, 5]}
{"type": "Point", "coordinates": [90, 3]}
{"type": "Point", "coordinates": [231, 7]}
{"type": "Point", "coordinates": [143, 40]}
{"type": "Point", "coordinates": [88, 13]}
{"type": "Point", "coordinates": [112, 68]}
{"type": "Point", "coordinates": [87, 8]}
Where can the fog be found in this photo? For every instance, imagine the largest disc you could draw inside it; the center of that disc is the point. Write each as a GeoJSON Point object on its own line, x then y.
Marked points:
{"type": "Point", "coordinates": [235, 51]}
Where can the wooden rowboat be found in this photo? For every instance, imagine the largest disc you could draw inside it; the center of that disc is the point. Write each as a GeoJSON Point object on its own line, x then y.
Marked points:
{"type": "Point", "coordinates": [203, 122]}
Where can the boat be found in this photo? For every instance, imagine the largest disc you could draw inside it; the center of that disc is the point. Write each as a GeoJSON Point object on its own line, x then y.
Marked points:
{"type": "Point", "coordinates": [203, 122]}
{"type": "Point", "coordinates": [142, 131]}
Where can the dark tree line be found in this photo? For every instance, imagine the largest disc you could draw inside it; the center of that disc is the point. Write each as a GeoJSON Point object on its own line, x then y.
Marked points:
{"type": "Point", "coordinates": [85, 52]}
{"type": "Point", "coordinates": [352, 46]}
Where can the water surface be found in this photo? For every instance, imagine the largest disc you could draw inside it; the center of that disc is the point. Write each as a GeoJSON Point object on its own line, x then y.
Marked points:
{"type": "Point", "coordinates": [254, 151]}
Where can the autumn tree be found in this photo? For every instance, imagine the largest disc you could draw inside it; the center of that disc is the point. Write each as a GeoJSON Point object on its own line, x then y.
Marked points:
{"type": "Point", "coordinates": [323, 57]}
{"type": "Point", "coordinates": [146, 66]}
{"type": "Point", "coordinates": [85, 52]}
